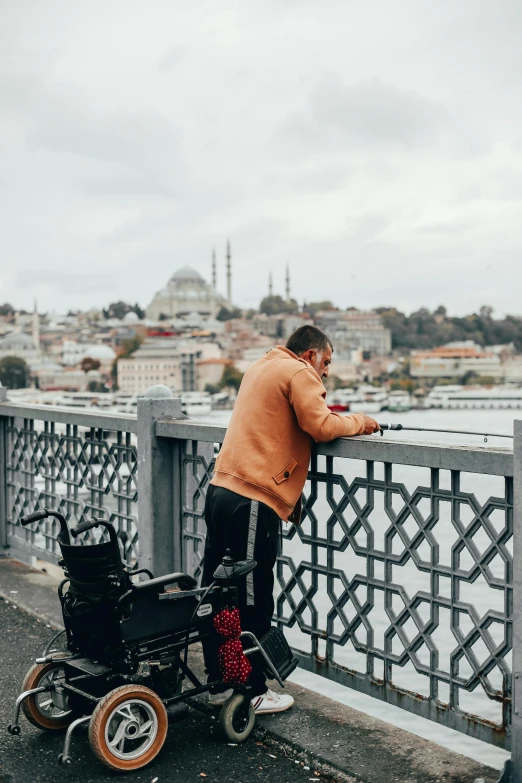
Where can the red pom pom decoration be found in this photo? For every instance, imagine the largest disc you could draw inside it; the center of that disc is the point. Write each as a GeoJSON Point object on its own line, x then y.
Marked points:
{"type": "Point", "coordinates": [234, 664]}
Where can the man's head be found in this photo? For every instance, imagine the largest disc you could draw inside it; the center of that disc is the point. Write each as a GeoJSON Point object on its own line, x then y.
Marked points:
{"type": "Point", "coordinates": [312, 345]}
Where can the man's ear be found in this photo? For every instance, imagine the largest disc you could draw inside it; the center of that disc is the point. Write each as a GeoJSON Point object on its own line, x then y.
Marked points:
{"type": "Point", "coordinates": [309, 356]}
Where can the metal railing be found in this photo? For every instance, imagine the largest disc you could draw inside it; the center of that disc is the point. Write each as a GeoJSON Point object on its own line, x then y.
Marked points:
{"type": "Point", "coordinates": [81, 464]}
{"type": "Point", "coordinates": [404, 580]}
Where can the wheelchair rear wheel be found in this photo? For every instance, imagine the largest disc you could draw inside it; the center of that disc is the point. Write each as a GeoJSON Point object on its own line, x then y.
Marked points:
{"type": "Point", "coordinates": [39, 708]}
{"type": "Point", "coordinates": [128, 727]}
{"type": "Point", "coordinates": [237, 718]}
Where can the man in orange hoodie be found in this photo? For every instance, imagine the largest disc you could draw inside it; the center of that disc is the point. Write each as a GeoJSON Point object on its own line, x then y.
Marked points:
{"type": "Point", "coordinates": [259, 477]}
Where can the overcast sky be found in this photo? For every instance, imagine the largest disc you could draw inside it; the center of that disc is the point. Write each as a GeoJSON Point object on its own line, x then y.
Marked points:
{"type": "Point", "coordinates": [375, 147]}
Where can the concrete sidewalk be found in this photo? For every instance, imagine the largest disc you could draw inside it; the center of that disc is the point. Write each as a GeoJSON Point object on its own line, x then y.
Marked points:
{"type": "Point", "coordinates": [316, 737]}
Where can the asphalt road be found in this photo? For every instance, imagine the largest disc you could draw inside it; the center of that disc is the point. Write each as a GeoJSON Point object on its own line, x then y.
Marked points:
{"type": "Point", "coordinates": [193, 750]}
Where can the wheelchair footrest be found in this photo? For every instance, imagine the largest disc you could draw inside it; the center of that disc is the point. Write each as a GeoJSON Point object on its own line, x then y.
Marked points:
{"type": "Point", "coordinates": [87, 666]}
{"type": "Point", "coordinates": [279, 652]}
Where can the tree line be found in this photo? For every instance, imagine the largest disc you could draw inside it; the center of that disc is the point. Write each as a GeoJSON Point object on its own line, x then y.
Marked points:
{"type": "Point", "coordinates": [426, 329]}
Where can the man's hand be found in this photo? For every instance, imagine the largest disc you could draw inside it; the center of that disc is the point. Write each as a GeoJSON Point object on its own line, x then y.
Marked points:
{"type": "Point", "coordinates": [370, 425]}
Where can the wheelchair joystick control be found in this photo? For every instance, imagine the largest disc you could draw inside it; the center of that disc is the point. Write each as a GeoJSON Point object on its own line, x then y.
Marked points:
{"type": "Point", "coordinates": [231, 569]}
{"type": "Point", "coordinates": [228, 560]}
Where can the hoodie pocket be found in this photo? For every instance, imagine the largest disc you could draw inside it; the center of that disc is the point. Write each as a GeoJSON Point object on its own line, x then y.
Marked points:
{"type": "Point", "coordinates": [286, 472]}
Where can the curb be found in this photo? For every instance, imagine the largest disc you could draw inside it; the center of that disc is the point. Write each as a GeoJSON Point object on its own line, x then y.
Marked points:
{"type": "Point", "coordinates": [31, 612]}
{"type": "Point", "coordinates": [294, 751]}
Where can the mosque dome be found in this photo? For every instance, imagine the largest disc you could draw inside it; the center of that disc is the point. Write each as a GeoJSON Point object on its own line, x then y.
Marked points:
{"type": "Point", "coordinates": [21, 342]}
{"type": "Point", "coordinates": [186, 273]}
{"type": "Point", "coordinates": [186, 293]}
{"type": "Point", "coordinates": [131, 317]}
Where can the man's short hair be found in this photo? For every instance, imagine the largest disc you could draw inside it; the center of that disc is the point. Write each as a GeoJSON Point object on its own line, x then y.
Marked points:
{"type": "Point", "coordinates": [306, 338]}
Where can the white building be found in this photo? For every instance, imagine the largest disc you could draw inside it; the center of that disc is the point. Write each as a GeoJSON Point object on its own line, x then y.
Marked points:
{"type": "Point", "coordinates": [160, 361]}
{"type": "Point", "coordinates": [512, 370]}
{"type": "Point", "coordinates": [453, 361]}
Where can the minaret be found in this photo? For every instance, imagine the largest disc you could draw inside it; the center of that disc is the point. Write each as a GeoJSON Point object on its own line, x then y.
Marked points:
{"type": "Point", "coordinates": [287, 283]}
{"type": "Point", "coordinates": [270, 286]}
{"type": "Point", "coordinates": [36, 327]}
{"type": "Point", "coordinates": [214, 269]}
{"type": "Point", "coordinates": [229, 274]}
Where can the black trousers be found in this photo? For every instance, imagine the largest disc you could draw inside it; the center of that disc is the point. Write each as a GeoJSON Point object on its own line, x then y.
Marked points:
{"type": "Point", "coordinates": [249, 529]}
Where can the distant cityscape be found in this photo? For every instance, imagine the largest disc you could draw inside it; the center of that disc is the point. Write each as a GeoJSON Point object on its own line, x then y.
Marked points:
{"type": "Point", "coordinates": [193, 339]}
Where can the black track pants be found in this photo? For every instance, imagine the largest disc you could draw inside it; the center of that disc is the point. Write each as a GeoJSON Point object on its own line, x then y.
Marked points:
{"type": "Point", "coordinates": [249, 529]}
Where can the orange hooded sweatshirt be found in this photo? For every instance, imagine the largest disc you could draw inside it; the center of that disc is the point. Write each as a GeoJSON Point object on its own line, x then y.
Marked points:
{"type": "Point", "coordinates": [279, 412]}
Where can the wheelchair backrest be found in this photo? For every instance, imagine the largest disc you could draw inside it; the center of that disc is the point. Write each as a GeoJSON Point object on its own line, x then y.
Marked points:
{"type": "Point", "coordinates": [90, 566]}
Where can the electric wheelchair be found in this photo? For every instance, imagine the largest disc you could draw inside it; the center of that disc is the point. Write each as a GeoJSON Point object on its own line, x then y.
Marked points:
{"type": "Point", "coordinates": [125, 660]}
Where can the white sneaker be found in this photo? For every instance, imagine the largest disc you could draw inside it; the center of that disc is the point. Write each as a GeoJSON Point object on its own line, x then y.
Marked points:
{"type": "Point", "coordinates": [272, 702]}
{"type": "Point", "coordinates": [218, 699]}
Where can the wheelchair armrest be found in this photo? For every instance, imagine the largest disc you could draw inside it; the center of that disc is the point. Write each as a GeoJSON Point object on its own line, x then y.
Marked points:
{"type": "Point", "coordinates": [140, 571]}
{"type": "Point", "coordinates": [156, 585]}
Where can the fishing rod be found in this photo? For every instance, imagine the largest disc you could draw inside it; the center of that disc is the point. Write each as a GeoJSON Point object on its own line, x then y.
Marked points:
{"type": "Point", "coordinates": [484, 435]}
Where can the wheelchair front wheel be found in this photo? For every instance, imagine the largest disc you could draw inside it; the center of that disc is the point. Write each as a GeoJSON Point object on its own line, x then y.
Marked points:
{"type": "Point", "coordinates": [128, 727]}
{"type": "Point", "coordinates": [39, 708]}
{"type": "Point", "coordinates": [237, 718]}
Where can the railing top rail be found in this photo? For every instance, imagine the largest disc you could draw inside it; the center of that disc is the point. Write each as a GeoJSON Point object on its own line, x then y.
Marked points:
{"type": "Point", "coordinates": [492, 460]}
{"type": "Point", "coordinates": [84, 418]}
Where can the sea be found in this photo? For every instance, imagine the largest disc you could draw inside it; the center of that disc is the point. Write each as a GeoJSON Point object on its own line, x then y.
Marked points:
{"type": "Point", "coordinates": [479, 594]}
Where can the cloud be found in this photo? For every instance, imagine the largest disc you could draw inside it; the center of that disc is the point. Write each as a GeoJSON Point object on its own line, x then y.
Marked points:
{"type": "Point", "coordinates": [64, 123]}
{"type": "Point", "coordinates": [67, 282]}
{"type": "Point", "coordinates": [128, 185]}
{"type": "Point", "coordinates": [367, 114]}
{"type": "Point", "coordinates": [172, 58]}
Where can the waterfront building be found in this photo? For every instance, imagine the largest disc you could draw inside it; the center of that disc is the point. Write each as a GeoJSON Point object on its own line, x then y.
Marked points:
{"type": "Point", "coordinates": [512, 370]}
{"type": "Point", "coordinates": [454, 360]}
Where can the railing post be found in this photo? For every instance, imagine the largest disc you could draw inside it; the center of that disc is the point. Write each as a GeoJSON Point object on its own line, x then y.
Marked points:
{"type": "Point", "coordinates": [156, 497]}
{"type": "Point", "coordinates": [516, 724]}
{"type": "Point", "coordinates": [177, 505]}
{"type": "Point", "coordinates": [3, 481]}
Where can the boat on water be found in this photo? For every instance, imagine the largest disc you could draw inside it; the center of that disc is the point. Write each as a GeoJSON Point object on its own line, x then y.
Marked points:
{"type": "Point", "coordinates": [399, 401]}
{"type": "Point", "coordinates": [126, 403]}
{"type": "Point", "coordinates": [367, 399]}
{"type": "Point", "coordinates": [439, 393]}
{"type": "Point", "coordinates": [337, 403]}
{"type": "Point", "coordinates": [473, 397]}
{"type": "Point", "coordinates": [68, 399]}
{"type": "Point", "coordinates": [195, 404]}
{"type": "Point", "coordinates": [100, 400]}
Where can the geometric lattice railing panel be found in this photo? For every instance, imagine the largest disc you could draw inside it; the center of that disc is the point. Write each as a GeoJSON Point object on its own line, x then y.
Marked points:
{"type": "Point", "coordinates": [81, 471]}
{"type": "Point", "coordinates": [405, 588]}
{"type": "Point", "coordinates": [197, 464]}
